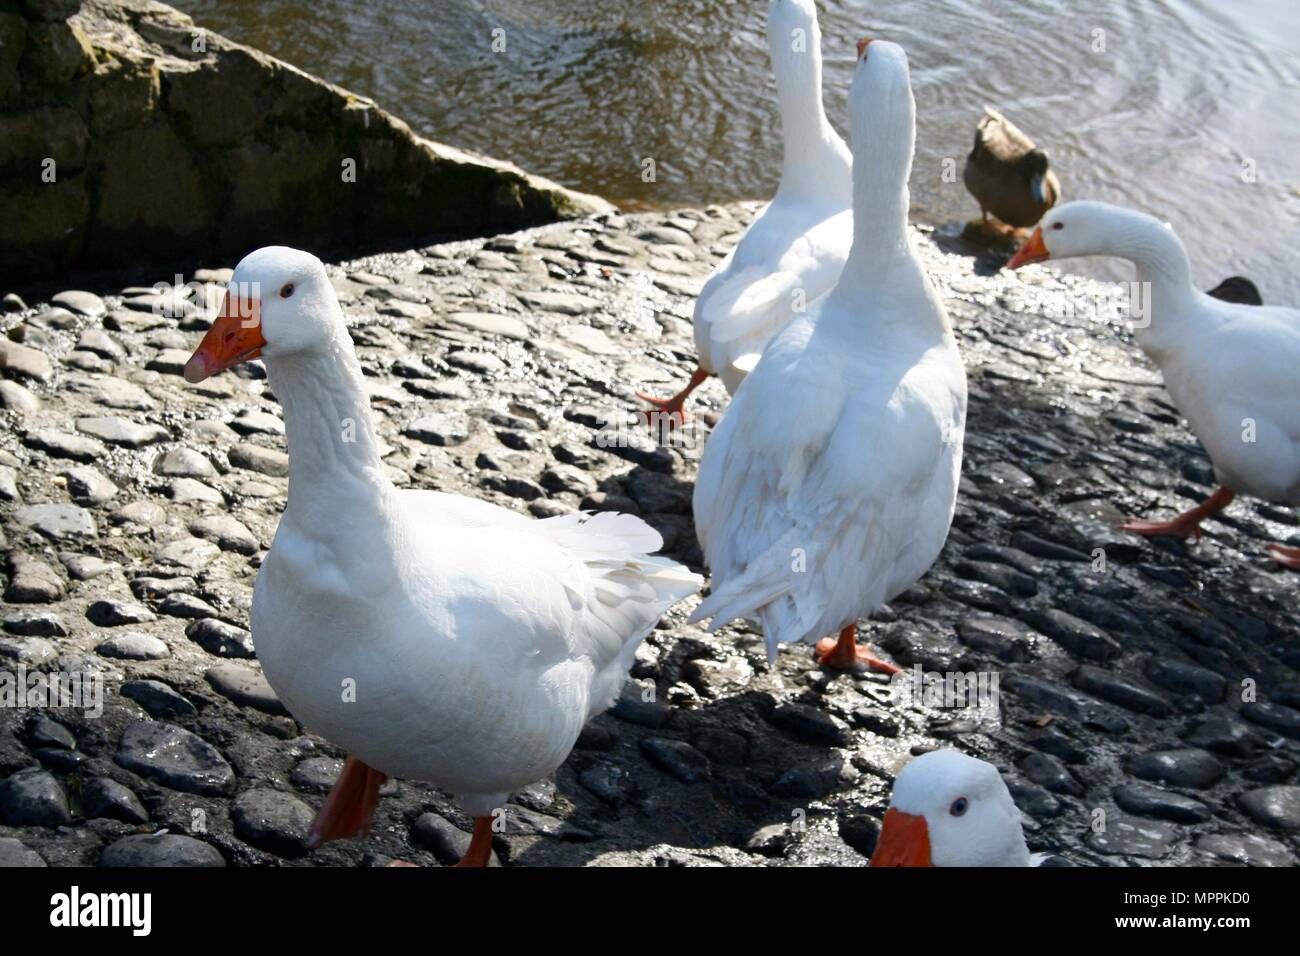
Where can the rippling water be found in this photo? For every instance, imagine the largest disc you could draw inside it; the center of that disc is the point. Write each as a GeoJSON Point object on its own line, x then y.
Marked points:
{"type": "Point", "coordinates": [1186, 96]}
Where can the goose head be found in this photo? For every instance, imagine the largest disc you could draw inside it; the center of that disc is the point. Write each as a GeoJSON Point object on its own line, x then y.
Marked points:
{"type": "Point", "coordinates": [1081, 228]}
{"type": "Point", "coordinates": [883, 111]}
{"type": "Point", "coordinates": [279, 303]}
{"type": "Point", "coordinates": [949, 809]}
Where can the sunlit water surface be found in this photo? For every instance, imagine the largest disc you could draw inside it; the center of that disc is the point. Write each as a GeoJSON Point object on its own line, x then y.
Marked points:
{"type": "Point", "coordinates": [1171, 106]}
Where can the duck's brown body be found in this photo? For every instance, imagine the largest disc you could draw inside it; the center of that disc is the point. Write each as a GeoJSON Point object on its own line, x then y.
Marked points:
{"type": "Point", "coordinates": [1000, 173]}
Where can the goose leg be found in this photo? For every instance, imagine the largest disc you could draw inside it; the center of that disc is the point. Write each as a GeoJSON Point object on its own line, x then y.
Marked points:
{"type": "Point", "coordinates": [350, 806]}
{"type": "Point", "coordinates": [674, 405]}
{"type": "Point", "coordinates": [1287, 557]}
{"type": "Point", "coordinates": [845, 653]}
{"type": "Point", "coordinates": [1187, 524]}
{"type": "Point", "coordinates": [480, 844]}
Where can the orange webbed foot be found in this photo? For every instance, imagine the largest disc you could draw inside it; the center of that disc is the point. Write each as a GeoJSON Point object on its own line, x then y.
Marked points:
{"type": "Point", "coordinates": [846, 654]}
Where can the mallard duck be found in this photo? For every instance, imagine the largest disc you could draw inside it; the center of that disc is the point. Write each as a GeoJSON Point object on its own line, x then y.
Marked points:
{"type": "Point", "coordinates": [949, 809]}
{"type": "Point", "coordinates": [829, 485]}
{"type": "Point", "coordinates": [1230, 368]}
{"type": "Point", "coordinates": [433, 636]}
{"type": "Point", "coordinates": [1008, 175]}
{"type": "Point", "coordinates": [793, 252]}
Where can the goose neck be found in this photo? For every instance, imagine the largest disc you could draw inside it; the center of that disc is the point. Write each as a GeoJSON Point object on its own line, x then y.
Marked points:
{"type": "Point", "coordinates": [333, 447]}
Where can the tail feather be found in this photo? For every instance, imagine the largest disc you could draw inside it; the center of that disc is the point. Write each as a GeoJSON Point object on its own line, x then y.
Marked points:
{"type": "Point", "coordinates": [628, 590]}
{"type": "Point", "coordinates": [766, 578]}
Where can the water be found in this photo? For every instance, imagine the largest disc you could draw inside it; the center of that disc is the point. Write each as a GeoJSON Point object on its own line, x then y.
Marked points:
{"type": "Point", "coordinates": [1185, 101]}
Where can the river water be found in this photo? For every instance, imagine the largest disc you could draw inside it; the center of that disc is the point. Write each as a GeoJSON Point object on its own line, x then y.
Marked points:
{"type": "Point", "coordinates": [1189, 109]}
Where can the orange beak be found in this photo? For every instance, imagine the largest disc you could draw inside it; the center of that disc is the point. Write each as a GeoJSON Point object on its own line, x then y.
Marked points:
{"type": "Point", "coordinates": [1035, 250]}
{"type": "Point", "coordinates": [236, 336]}
{"type": "Point", "coordinates": [904, 841]}
{"type": "Point", "coordinates": [862, 46]}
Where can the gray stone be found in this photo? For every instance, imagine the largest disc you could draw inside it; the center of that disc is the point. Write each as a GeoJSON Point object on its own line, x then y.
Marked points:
{"type": "Point", "coordinates": [99, 342]}
{"type": "Point", "coordinates": [1185, 767]}
{"type": "Point", "coordinates": [246, 687]}
{"type": "Point", "coordinates": [1046, 771]}
{"type": "Point", "coordinates": [480, 363]}
{"type": "Point", "coordinates": [115, 613]}
{"type": "Point", "coordinates": [63, 445]}
{"type": "Point", "coordinates": [185, 605]}
{"type": "Point", "coordinates": [811, 724]}
{"type": "Point", "coordinates": [45, 732]}
{"type": "Point", "coordinates": [134, 646]}
{"type": "Point", "coordinates": [316, 774]}
{"type": "Point", "coordinates": [33, 798]}
{"type": "Point", "coordinates": [35, 624]}
{"type": "Point", "coordinates": [159, 700]}
{"type": "Point", "coordinates": [83, 303]}
{"type": "Point", "coordinates": [1147, 801]}
{"type": "Point", "coordinates": [812, 781]}
{"type": "Point", "coordinates": [677, 758]}
{"type": "Point", "coordinates": [14, 853]}
{"type": "Point", "coordinates": [85, 567]}
{"type": "Point", "coordinates": [1276, 807]}
{"type": "Point", "coordinates": [273, 821]}
{"type": "Point", "coordinates": [443, 839]}
{"type": "Point", "coordinates": [122, 431]}
{"type": "Point", "coordinates": [87, 486]}
{"type": "Point", "coordinates": [185, 490]}
{"type": "Point", "coordinates": [218, 637]}
{"type": "Point", "coordinates": [439, 429]}
{"type": "Point", "coordinates": [32, 651]}
{"type": "Point", "coordinates": [9, 484]}
{"type": "Point", "coordinates": [483, 323]}
{"type": "Point", "coordinates": [564, 303]}
{"type": "Point", "coordinates": [16, 398]}
{"type": "Point", "coordinates": [1120, 690]}
{"type": "Point", "coordinates": [114, 393]}
{"type": "Point", "coordinates": [192, 554]}
{"type": "Point", "coordinates": [160, 849]}
{"type": "Point", "coordinates": [185, 463]}
{"type": "Point", "coordinates": [1224, 734]}
{"type": "Point", "coordinates": [1245, 849]}
{"type": "Point", "coordinates": [1003, 637]}
{"type": "Point", "coordinates": [252, 422]}
{"type": "Point", "coordinates": [59, 522]}
{"type": "Point", "coordinates": [32, 581]}
{"type": "Point", "coordinates": [1132, 836]}
{"type": "Point", "coordinates": [175, 758]}
{"type": "Point", "coordinates": [1077, 636]}
{"type": "Point", "coordinates": [1277, 717]}
{"type": "Point", "coordinates": [265, 461]}
{"type": "Point", "coordinates": [229, 533]}
{"type": "Point", "coordinates": [1186, 679]}
{"type": "Point", "coordinates": [144, 513]}
{"type": "Point", "coordinates": [107, 798]}
{"type": "Point", "coordinates": [19, 361]}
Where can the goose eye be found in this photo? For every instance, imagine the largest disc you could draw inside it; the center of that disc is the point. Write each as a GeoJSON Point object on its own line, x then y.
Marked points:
{"type": "Point", "coordinates": [286, 291]}
{"type": "Point", "coordinates": [1058, 225]}
{"type": "Point", "coordinates": [959, 806]}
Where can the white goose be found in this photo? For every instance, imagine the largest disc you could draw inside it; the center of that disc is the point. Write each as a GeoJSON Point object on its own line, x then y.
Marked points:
{"type": "Point", "coordinates": [829, 485]}
{"type": "Point", "coordinates": [793, 253]}
{"type": "Point", "coordinates": [949, 809]}
{"type": "Point", "coordinates": [434, 637]}
{"type": "Point", "coordinates": [1231, 368]}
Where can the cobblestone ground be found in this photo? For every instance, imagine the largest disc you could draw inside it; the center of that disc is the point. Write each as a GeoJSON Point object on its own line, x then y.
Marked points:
{"type": "Point", "coordinates": [1147, 707]}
